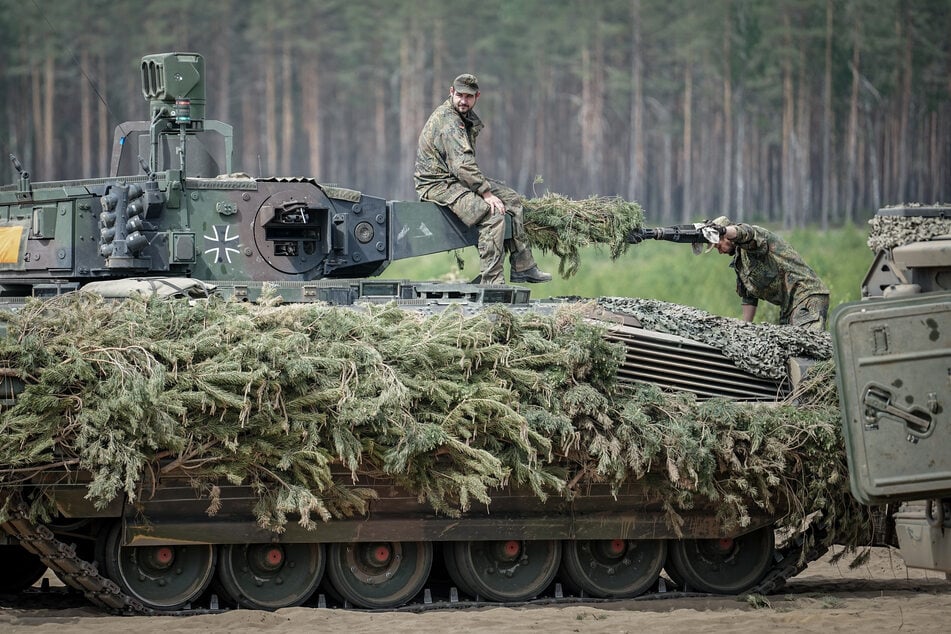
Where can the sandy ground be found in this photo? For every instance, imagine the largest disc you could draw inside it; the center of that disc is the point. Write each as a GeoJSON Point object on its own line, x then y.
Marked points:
{"type": "Point", "coordinates": [880, 596]}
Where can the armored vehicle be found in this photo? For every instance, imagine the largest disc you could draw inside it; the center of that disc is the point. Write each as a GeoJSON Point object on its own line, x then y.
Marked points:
{"type": "Point", "coordinates": [893, 359]}
{"type": "Point", "coordinates": [175, 217]}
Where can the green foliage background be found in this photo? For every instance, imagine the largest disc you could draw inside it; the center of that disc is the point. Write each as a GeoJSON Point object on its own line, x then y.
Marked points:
{"type": "Point", "coordinates": [671, 272]}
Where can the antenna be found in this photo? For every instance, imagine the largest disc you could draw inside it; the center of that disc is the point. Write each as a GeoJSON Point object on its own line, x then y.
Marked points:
{"type": "Point", "coordinates": [24, 185]}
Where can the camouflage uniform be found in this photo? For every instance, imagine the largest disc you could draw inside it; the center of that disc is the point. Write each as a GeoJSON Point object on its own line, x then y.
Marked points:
{"type": "Point", "coordinates": [768, 268]}
{"type": "Point", "coordinates": [447, 174]}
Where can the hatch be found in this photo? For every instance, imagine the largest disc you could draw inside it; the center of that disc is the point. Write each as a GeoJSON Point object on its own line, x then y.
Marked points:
{"type": "Point", "coordinates": [893, 369]}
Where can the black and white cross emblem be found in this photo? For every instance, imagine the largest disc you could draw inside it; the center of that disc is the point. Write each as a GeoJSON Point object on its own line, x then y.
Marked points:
{"type": "Point", "coordinates": [219, 244]}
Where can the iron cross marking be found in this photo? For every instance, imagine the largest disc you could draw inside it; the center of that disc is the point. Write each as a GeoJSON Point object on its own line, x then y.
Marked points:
{"type": "Point", "coordinates": [219, 244]}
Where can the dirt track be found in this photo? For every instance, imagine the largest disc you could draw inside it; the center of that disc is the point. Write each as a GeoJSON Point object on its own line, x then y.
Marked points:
{"type": "Point", "coordinates": [880, 596]}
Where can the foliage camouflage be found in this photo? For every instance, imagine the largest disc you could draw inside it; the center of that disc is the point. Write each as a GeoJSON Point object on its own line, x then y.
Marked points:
{"type": "Point", "coordinates": [447, 405]}
{"type": "Point", "coordinates": [564, 226]}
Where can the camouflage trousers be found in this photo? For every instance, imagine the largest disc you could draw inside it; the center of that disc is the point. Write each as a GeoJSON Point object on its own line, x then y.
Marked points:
{"type": "Point", "coordinates": [809, 313]}
{"type": "Point", "coordinates": [472, 210]}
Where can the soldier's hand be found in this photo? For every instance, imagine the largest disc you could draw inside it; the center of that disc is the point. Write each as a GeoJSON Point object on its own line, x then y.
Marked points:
{"type": "Point", "coordinates": [495, 203]}
{"type": "Point", "coordinates": [713, 232]}
{"type": "Point", "coordinates": [720, 229]}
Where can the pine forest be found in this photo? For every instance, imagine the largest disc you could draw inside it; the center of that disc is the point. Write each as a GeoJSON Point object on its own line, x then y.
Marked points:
{"type": "Point", "coordinates": [793, 112]}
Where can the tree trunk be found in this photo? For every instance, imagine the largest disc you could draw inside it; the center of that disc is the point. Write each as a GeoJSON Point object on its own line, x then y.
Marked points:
{"type": "Point", "coordinates": [827, 123]}
{"type": "Point", "coordinates": [901, 138]}
{"type": "Point", "coordinates": [851, 158]}
{"type": "Point", "coordinates": [707, 156]}
{"type": "Point", "coordinates": [934, 157]}
{"type": "Point", "coordinates": [525, 141]}
{"type": "Point", "coordinates": [667, 179]}
{"type": "Point", "coordinates": [380, 152]}
{"type": "Point", "coordinates": [85, 119]}
{"type": "Point", "coordinates": [287, 148]}
{"type": "Point", "coordinates": [440, 82]}
{"type": "Point", "coordinates": [102, 121]}
{"type": "Point", "coordinates": [592, 109]}
{"type": "Point", "coordinates": [802, 148]}
{"type": "Point", "coordinates": [270, 63]}
{"type": "Point", "coordinates": [739, 213]}
{"type": "Point", "coordinates": [222, 74]}
{"type": "Point", "coordinates": [666, 161]}
{"type": "Point", "coordinates": [726, 188]}
{"type": "Point", "coordinates": [636, 175]}
{"type": "Point", "coordinates": [411, 107]}
{"type": "Point", "coordinates": [251, 133]}
{"type": "Point", "coordinates": [758, 170]}
{"type": "Point", "coordinates": [786, 159]}
{"type": "Point", "coordinates": [311, 90]}
{"type": "Point", "coordinates": [541, 121]}
{"type": "Point", "coordinates": [686, 207]}
{"type": "Point", "coordinates": [47, 131]}
{"type": "Point", "coordinates": [874, 188]}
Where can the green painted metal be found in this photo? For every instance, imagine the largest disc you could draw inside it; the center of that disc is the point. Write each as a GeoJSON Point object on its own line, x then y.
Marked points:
{"type": "Point", "coordinates": [894, 378]}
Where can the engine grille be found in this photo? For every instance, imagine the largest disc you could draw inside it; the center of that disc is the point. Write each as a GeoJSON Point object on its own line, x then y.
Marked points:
{"type": "Point", "coordinates": [675, 363]}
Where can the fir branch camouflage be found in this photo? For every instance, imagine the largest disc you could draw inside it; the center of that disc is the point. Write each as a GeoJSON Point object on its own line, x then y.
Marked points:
{"type": "Point", "coordinates": [450, 407]}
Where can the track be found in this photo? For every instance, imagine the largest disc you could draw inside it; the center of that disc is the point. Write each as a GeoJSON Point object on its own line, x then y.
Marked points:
{"type": "Point", "coordinates": [62, 559]}
{"type": "Point", "coordinates": [83, 579]}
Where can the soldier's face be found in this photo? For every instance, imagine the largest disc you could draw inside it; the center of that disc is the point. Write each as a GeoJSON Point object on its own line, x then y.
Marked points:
{"type": "Point", "coordinates": [462, 102]}
{"type": "Point", "coordinates": [725, 246]}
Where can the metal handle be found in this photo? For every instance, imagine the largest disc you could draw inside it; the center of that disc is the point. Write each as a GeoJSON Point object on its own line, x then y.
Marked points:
{"type": "Point", "coordinates": [878, 402]}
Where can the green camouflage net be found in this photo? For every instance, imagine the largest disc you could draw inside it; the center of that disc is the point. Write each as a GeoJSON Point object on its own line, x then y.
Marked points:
{"type": "Point", "coordinates": [888, 232]}
{"type": "Point", "coordinates": [760, 349]}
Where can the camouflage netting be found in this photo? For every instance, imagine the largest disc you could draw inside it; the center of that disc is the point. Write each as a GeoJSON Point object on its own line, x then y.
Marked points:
{"type": "Point", "coordinates": [564, 226]}
{"type": "Point", "coordinates": [449, 406]}
{"type": "Point", "coordinates": [758, 348]}
{"type": "Point", "coordinates": [887, 232]}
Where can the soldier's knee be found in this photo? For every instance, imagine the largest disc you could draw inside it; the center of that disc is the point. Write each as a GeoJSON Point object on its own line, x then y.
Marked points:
{"type": "Point", "coordinates": [493, 225]}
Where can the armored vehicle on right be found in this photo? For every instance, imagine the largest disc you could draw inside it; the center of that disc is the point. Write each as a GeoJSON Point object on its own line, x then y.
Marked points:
{"type": "Point", "coordinates": [893, 364]}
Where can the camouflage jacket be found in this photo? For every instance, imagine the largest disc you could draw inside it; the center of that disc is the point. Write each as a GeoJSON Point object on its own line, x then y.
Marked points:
{"type": "Point", "coordinates": [768, 268]}
{"type": "Point", "coordinates": [445, 157]}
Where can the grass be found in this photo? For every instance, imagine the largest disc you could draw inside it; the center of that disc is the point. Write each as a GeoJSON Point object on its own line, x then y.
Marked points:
{"type": "Point", "coordinates": [671, 272]}
{"type": "Point", "coordinates": [757, 601]}
{"type": "Point", "coordinates": [831, 602]}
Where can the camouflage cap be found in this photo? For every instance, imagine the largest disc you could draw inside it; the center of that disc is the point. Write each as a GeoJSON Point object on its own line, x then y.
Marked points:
{"type": "Point", "coordinates": [466, 83]}
{"type": "Point", "coordinates": [713, 238]}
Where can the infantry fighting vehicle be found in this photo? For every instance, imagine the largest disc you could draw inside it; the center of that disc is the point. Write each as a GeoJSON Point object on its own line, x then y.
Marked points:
{"type": "Point", "coordinates": [893, 360]}
{"type": "Point", "coordinates": [175, 216]}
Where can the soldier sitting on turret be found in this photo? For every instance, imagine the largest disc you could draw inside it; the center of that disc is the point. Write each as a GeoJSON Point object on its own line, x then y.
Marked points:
{"type": "Point", "coordinates": [447, 174]}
